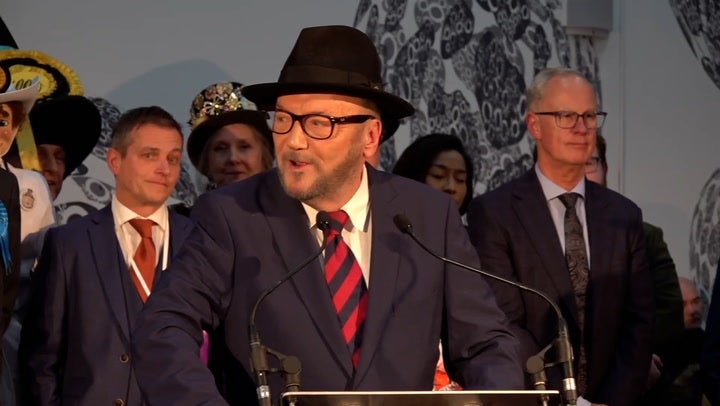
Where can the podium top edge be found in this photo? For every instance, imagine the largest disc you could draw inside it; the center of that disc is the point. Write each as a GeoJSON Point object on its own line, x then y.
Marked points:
{"type": "Point", "coordinates": [429, 393]}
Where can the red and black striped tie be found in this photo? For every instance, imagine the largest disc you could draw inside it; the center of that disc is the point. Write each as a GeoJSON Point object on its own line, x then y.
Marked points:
{"type": "Point", "coordinates": [347, 285]}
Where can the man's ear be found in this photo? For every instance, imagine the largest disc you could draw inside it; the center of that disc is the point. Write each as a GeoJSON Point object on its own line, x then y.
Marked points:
{"type": "Point", "coordinates": [533, 125]}
{"type": "Point", "coordinates": [114, 159]}
{"type": "Point", "coordinates": [373, 137]}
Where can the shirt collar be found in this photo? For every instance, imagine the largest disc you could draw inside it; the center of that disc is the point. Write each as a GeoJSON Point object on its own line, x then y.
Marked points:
{"type": "Point", "coordinates": [123, 214]}
{"type": "Point", "coordinates": [551, 190]}
{"type": "Point", "coordinates": [357, 208]}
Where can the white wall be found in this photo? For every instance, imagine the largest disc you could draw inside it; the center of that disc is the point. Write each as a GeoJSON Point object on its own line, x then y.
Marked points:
{"type": "Point", "coordinates": [664, 110]}
{"type": "Point", "coordinates": [138, 52]}
{"type": "Point", "coordinates": [164, 52]}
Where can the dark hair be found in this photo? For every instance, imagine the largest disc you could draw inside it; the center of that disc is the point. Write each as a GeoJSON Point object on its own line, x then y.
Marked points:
{"type": "Point", "coordinates": [134, 118]}
{"type": "Point", "coordinates": [418, 157]}
{"type": "Point", "coordinates": [16, 109]}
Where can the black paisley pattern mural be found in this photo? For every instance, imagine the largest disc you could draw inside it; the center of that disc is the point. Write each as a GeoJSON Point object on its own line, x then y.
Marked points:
{"type": "Point", "coordinates": [699, 21]}
{"type": "Point", "coordinates": [705, 236]}
{"type": "Point", "coordinates": [465, 66]}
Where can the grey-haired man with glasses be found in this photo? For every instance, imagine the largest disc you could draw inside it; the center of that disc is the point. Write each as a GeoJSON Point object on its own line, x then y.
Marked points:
{"type": "Point", "coordinates": [577, 241]}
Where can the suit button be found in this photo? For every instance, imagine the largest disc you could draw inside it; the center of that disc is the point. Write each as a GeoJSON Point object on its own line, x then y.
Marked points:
{"type": "Point", "coordinates": [118, 402]}
{"type": "Point", "coordinates": [124, 358]}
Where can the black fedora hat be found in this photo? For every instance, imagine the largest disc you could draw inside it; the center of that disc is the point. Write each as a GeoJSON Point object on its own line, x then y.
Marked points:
{"type": "Point", "coordinates": [332, 59]}
{"type": "Point", "coordinates": [77, 139]}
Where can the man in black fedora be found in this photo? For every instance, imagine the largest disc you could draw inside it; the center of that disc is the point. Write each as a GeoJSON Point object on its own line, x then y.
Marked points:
{"type": "Point", "coordinates": [365, 315]}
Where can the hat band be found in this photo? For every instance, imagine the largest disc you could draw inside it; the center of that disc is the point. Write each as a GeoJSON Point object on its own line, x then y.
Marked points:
{"type": "Point", "coordinates": [326, 76]}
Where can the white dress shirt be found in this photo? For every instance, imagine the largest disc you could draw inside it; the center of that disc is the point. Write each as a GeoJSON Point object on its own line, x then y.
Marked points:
{"type": "Point", "coordinates": [358, 231]}
{"type": "Point", "coordinates": [129, 238]}
{"type": "Point", "coordinates": [552, 193]}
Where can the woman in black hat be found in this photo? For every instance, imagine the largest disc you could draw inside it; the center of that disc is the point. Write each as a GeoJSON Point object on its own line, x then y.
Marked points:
{"type": "Point", "coordinates": [230, 140]}
{"type": "Point", "coordinates": [61, 152]}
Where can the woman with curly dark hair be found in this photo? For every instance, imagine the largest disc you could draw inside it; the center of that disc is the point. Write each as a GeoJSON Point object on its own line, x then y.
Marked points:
{"type": "Point", "coordinates": [440, 161]}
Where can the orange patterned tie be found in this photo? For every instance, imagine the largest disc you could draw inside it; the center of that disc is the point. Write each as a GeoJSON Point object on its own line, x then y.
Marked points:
{"type": "Point", "coordinates": [144, 256]}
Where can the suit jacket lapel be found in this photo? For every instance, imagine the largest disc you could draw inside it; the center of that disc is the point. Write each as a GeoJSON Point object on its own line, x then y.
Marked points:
{"type": "Point", "coordinates": [384, 265]}
{"type": "Point", "coordinates": [294, 243]}
{"type": "Point", "coordinates": [601, 242]}
{"type": "Point", "coordinates": [180, 228]}
{"type": "Point", "coordinates": [105, 248]}
{"type": "Point", "coordinates": [532, 210]}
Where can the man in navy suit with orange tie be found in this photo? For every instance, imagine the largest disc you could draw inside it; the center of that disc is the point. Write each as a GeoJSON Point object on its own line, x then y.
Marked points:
{"type": "Point", "coordinates": [95, 273]}
{"type": "Point", "coordinates": [579, 242]}
{"type": "Point", "coordinates": [368, 314]}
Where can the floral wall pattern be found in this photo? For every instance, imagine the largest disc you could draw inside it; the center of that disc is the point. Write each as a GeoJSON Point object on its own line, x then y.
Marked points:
{"type": "Point", "coordinates": [465, 65]}
{"type": "Point", "coordinates": [699, 21]}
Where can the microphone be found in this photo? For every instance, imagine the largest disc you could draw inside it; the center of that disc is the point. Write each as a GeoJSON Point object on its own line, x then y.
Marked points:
{"type": "Point", "coordinates": [564, 348]}
{"type": "Point", "coordinates": [258, 352]}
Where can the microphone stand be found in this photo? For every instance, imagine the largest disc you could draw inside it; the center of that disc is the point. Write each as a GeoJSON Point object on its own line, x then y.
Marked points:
{"type": "Point", "coordinates": [564, 348]}
{"type": "Point", "coordinates": [290, 369]}
{"type": "Point", "coordinates": [290, 365]}
{"type": "Point", "coordinates": [535, 366]}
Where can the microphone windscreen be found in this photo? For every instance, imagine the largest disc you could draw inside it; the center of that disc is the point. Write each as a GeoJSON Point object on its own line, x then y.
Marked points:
{"type": "Point", "coordinates": [322, 220]}
{"type": "Point", "coordinates": [402, 223]}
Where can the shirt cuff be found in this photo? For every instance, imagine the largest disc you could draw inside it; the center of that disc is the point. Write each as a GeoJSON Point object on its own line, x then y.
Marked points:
{"type": "Point", "coordinates": [582, 401]}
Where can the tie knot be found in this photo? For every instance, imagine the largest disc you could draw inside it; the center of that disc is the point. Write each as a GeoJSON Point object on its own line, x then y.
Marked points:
{"type": "Point", "coordinates": [338, 219]}
{"type": "Point", "coordinates": [143, 227]}
{"type": "Point", "coordinates": [569, 199]}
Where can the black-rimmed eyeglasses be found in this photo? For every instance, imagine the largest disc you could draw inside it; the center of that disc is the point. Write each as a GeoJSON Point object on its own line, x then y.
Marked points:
{"type": "Point", "coordinates": [316, 126]}
{"type": "Point", "coordinates": [569, 119]}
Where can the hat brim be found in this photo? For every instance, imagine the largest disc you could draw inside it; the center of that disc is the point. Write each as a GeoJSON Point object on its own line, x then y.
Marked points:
{"type": "Point", "coordinates": [25, 96]}
{"type": "Point", "coordinates": [201, 134]}
{"type": "Point", "coordinates": [77, 142]}
{"type": "Point", "coordinates": [265, 96]}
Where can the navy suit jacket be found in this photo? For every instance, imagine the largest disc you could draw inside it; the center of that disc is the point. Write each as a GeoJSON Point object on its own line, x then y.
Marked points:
{"type": "Point", "coordinates": [516, 238]}
{"type": "Point", "coordinates": [710, 356]}
{"type": "Point", "coordinates": [250, 234]}
{"type": "Point", "coordinates": [76, 337]}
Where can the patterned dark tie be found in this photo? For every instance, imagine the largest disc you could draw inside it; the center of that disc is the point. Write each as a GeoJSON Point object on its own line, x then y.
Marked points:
{"type": "Point", "coordinates": [144, 256]}
{"type": "Point", "coordinates": [347, 285]}
{"type": "Point", "coordinates": [577, 263]}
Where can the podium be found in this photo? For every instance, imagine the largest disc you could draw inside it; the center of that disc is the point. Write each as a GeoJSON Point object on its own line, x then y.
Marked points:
{"type": "Point", "coordinates": [423, 398]}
